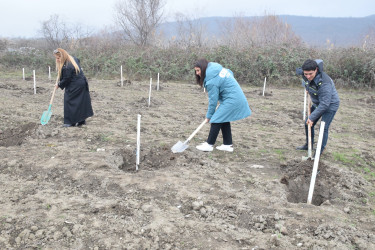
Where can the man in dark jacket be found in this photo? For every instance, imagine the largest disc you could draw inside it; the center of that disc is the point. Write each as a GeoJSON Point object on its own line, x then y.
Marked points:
{"type": "Point", "coordinates": [324, 97]}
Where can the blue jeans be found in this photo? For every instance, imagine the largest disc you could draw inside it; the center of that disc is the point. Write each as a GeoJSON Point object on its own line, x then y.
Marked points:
{"type": "Point", "coordinates": [327, 117]}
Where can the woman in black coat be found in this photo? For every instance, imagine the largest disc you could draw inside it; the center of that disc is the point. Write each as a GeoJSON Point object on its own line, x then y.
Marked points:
{"type": "Point", "coordinates": [77, 101]}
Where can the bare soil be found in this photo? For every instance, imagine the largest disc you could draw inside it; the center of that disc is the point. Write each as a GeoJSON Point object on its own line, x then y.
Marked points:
{"type": "Point", "coordinates": [77, 188]}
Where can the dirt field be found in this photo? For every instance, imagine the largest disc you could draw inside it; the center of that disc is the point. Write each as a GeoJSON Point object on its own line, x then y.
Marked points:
{"type": "Point", "coordinates": [77, 188]}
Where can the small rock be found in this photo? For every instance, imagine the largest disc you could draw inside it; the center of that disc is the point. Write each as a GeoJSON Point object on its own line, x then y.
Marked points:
{"type": "Point", "coordinates": [299, 213]}
{"type": "Point", "coordinates": [197, 205]}
{"type": "Point", "coordinates": [100, 150]}
{"type": "Point", "coordinates": [275, 240]}
{"type": "Point", "coordinates": [227, 170]}
{"type": "Point", "coordinates": [347, 210]}
{"type": "Point", "coordinates": [34, 228]}
{"type": "Point", "coordinates": [284, 231]}
{"type": "Point", "coordinates": [147, 208]}
{"type": "Point", "coordinates": [299, 244]}
{"type": "Point", "coordinates": [326, 203]}
{"type": "Point", "coordinates": [277, 217]}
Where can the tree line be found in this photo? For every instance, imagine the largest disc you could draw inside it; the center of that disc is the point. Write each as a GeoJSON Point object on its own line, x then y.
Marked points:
{"type": "Point", "coordinates": [263, 47]}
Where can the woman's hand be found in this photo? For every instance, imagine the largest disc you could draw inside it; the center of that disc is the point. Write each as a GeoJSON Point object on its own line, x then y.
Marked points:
{"type": "Point", "coordinates": [207, 120]}
{"type": "Point", "coordinates": [56, 86]}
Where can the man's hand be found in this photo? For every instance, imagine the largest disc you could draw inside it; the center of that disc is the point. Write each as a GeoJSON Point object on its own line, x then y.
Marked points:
{"type": "Point", "coordinates": [309, 122]}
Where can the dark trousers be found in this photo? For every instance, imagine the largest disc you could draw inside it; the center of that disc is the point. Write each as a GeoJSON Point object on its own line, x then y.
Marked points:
{"type": "Point", "coordinates": [327, 117]}
{"type": "Point", "coordinates": [225, 130]}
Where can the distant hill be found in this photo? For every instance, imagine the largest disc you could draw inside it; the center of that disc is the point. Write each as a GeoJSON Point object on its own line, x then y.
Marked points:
{"type": "Point", "coordinates": [315, 31]}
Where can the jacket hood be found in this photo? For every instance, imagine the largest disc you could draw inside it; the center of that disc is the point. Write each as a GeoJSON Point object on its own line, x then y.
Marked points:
{"type": "Point", "coordinates": [213, 69]}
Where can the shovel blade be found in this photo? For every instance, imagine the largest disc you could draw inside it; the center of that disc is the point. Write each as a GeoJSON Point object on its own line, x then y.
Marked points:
{"type": "Point", "coordinates": [179, 147]}
{"type": "Point", "coordinates": [45, 117]}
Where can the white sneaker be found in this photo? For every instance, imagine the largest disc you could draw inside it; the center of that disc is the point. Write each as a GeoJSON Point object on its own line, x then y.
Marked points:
{"type": "Point", "coordinates": [205, 147]}
{"type": "Point", "coordinates": [223, 147]}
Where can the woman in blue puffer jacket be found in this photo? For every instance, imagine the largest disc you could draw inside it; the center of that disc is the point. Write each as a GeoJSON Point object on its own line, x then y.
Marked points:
{"type": "Point", "coordinates": [221, 87]}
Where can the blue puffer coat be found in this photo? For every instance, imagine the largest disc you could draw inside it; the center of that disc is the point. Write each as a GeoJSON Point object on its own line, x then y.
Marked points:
{"type": "Point", "coordinates": [223, 88]}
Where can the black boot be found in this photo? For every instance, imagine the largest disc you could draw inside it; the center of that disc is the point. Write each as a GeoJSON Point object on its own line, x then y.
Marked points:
{"type": "Point", "coordinates": [304, 147]}
{"type": "Point", "coordinates": [81, 123]}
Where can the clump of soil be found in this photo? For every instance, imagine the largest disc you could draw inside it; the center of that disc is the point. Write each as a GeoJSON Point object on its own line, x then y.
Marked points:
{"type": "Point", "coordinates": [15, 136]}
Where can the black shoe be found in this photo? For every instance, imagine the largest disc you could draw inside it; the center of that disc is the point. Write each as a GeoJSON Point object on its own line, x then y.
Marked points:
{"type": "Point", "coordinates": [304, 147]}
{"type": "Point", "coordinates": [81, 123]}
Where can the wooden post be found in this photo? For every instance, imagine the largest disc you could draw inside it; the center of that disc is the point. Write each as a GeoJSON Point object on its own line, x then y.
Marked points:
{"type": "Point", "coordinates": [138, 141]}
{"type": "Point", "coordinates": [34, 82]}
{"type": "Point", "coordinates": [122, 79]}
{"type": "Point", "coordinates": [149, 95]}
{"type": "Point", "coordinates": [157, 86]}
{"type": "Point", "coordinates": [264, 86]}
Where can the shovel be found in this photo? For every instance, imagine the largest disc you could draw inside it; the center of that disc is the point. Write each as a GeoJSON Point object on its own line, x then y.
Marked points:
{"type": "Point", "coordinates": [309, 146]}
{"type": "Point", "coordinates": [181, 146]}
{"type": "Point", "coordinates": [47, 114]}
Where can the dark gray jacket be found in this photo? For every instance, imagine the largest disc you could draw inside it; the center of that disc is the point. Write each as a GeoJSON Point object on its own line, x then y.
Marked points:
{"type": "Point", "coordinates": [322, 92]}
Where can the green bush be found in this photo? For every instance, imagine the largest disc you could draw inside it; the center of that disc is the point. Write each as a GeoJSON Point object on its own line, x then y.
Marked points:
{"type": "Point", "coordinates": [348, 67]}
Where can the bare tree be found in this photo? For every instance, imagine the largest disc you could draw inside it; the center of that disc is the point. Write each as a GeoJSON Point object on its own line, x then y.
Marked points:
{"type": "Point", "coordinates": [58, 33]}
{"type": "Point", "coordinates": [266, 30]}
{"type": "Point", "coordinates": [54, 31]}
{"type": "Point", "coordinates": [237, 32]}
{"type": "Point", "coordinates": [190, 31]}
{"type": "Point", "coordinates": [139, 19]}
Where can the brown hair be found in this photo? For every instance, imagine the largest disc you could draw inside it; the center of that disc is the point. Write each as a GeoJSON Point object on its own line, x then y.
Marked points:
{"type": "Point", "coordinates": [65, 58]}
{"type": "Point", "coordinates": [202, 64]}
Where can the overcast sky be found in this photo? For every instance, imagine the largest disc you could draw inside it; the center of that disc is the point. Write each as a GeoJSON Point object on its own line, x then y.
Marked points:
{"type": "Point", "coordinates": [23, 18]}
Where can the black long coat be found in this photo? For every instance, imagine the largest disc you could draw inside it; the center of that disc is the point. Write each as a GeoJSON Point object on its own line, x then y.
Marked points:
{"type": "Point", "coordinates": [77, 101]}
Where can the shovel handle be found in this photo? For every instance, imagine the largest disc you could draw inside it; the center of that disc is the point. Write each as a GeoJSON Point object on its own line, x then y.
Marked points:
{"type": "Point", "coordinates": [309, 146]}
{"type": "Point", "coordinates": [53, 93]}
{"type": "Point", "coordinates": [196, 131]}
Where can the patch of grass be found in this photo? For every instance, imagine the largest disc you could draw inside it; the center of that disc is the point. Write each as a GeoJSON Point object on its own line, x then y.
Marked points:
{"type": "Point", "coordinates": [105, 137]}
{"type": "Point", "coordinates": [280, 153]}
{"type": "Point", "coordinates": [341, 157]}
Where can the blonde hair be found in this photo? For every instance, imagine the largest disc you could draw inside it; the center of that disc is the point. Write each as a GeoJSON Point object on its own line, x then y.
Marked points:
{"type": "Point", "coordinates": [64, 58]}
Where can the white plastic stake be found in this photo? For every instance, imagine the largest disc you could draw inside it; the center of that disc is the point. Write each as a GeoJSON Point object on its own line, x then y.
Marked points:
{"type": "Point", "coordinates": [304, 105]}
{"type": "Point", "coordinates": [34, 82]}
{"type": "Point", "coordinates": [49, 73]}
{"type": "Point", "coordinates": [316, 162]}
{"type": "Point", "coordinates": [157, 86]}
{"type": "Point", "coordinates": [23, 74]}
{"type": "Point", "coordinates": [138, 141]}
{"type": "Point", "coordinates": [122, 79]}
{"type": "Point", "coordinates": [149, 94]}
{"type": "Point", "coordinates": [264, 87]}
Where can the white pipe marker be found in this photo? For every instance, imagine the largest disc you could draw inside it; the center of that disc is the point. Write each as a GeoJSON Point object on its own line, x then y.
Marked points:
{"type": "Point", "coordinates": [122, 79]}
{"type": "Point", "coordinates": [138, 141]}
{"type": "Point", "coordinates": [304, 105]}
{"type": "Point", "coordinates": [316, 162]}
{"type": "Point", "coordinates": [49, 73]}
{"type": "Point", "coordinates": [23, 73]}
{"type": "Point", "coordinates": [157, 86]}
{"type": "Point", "coordinates": [149, 94]}
{"type": "Point", "coordinates": [264, 87]}
{"type": "Point", "coordinates": [34, 82]}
